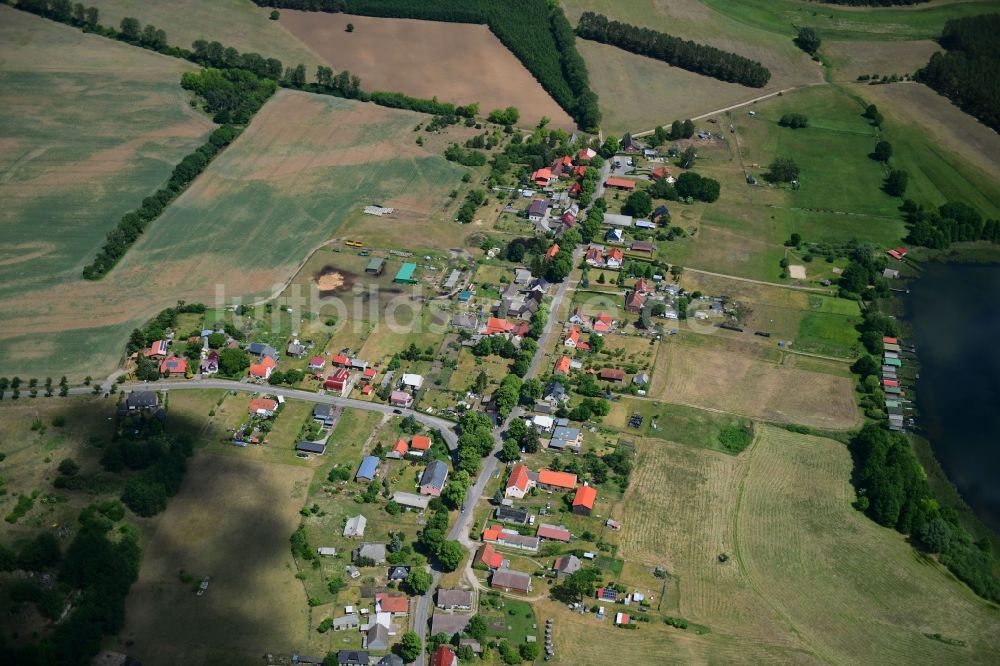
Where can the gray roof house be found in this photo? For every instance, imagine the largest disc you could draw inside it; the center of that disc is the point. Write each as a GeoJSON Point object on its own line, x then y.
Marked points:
{"type": "Point", "coordinates": [555, 392]}
{"type": "Point", "coordinates": [260, 350]}
{"type": "Point", "coordinates": [390, 660]}
{"type": "Point", "coordinates": [377, 637]}
{"type": "Point", "coordinates": [355, 526]}
{"type": "Point", "coordinates": [295, 349]}
{"type": "Point", "coordinates": [323, 414]}
{"type": "Point", "coordinates": [141, 400]}
{"type": "Point", "coordinates": [433, 478]}
{"type": "Point", "coordinates": [566, 438]}
{"type": "Point", "coordinates": [641, 379]}
{"type": "Point", "coordinates": [352, 658]}
{"type": "Point", "coordinates": [509, 514]}
{"type": "Point", "coordinates": [398, 573]}
{"type": "Point", "coordinates": [566, 565]}
{"type": "Point", "coordinates": [352, 621]}
{"type": "Point", "coordinates": [449, 623]}
{"type": "Point", "coordinates": [370, 551]}
{"type": "Point", "coordinates": [454, 599]}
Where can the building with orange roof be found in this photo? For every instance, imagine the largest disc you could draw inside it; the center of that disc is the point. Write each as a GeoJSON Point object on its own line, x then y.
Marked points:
{"type": "Point", "coordinates": [620, 183]}
{"type": "Point", "coordinates": [443, 656]}
{"type": "Point", "coordinates": [397, 604]}
{"type": "Point", "coordinates": [542, 177]}
{"type": "Point", "coordinates": [562, 366]}
{"type": "Point", "coordinates": [399, 449]}
{"type": "Point", "coordinates": [419, 444]}
{"type": "Point", "coordinates": [520, 481]}
{"type": "Point", "coordinates": [586, 154]}
{"type": "Point", "coordinates": [556, 481]}
{"type": "Point", "coordinates": [157, 350]}
{"type": "Point", "coordinates": [583, 501]}
{"type": "Point", "coordinates": [492, 533]}
{"type": "Point", "coordinates": [495, 326]}
{"type": "Point", "coordinates": [488, 556]}
{"type": "Point", "coordinates": [661, 172]}
{"type": "Point", "coordinates": [263, 407]}
{"type": "Point", "coordinates": [174, 365]}
{"type": "Point", "coordinates": [572, 338]}
{"type": "Point", "coordinates": [553, 251]}
{"type": "Point", "coordinates": [603, 323]}
{"type": "Point", "coordinates": [614, 258]}
{"type": "Point", "coordinates": [264, 368]}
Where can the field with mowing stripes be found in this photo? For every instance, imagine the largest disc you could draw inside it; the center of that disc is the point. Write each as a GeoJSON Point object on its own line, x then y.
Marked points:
{"type": "Point", "coordinates": [809, 579]}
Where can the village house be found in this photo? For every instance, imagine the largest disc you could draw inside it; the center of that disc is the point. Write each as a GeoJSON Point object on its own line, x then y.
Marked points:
{"type": "Point", "coordinates": [346, 622]}
{"type": "Point", "coordinates": [157, 351]}
{"type": "Point", "coordinates": [355, 527]}
{"type": "Point", "coordinates": [352, 658]}
{"type": "Point", "coordinates": [583, 501]}
{"type": "Point", "coordinates": [509, 514]}
{"type": "Point", "coordinates": [661, 173]}
{"type": "Point", "coordinates": [617, 220]}
{"type": "Point", "coordinates": [542, 177]}
{"type": "Point", "coordinates": [572, 338]}
{"type": "Point", "coordinates": [419, 445]}
{"type": "Point", "coordinates": [433, 478]}
{"type": "Point", "coordinates": [263, 369]}
{"type": "Point", "coordinates": [317, 364]}
{"type": "Point", "coordinates": [614, 236]}
{"type": "Point", "coordinates": [552, 252]}
{"type": "Point", "coordinates": [645, 247]}
{"type": "Point", "coordinates": [510, 538]}
{"type": "Point", "coordinates": [295, 349]}
{"type": "Point", "coordinates": [369, 552]}
{"type": "Point", "coordinates": [562, 366]}
{"type": "Point", "coordinates": [339, 382]}
{"type": "Point", "coordinates": [261, 350]}
{"type": "Point", "coordinates": [565, 438]}
{"type": "Point", "coordinates": [586, 154]}
{"type": "Point", "coordinates": [210, 364]}
{"type": "Point", "coordinates": [400, 399]}
{"type": "Point", "coordinates": [311, 447]}
{"type": "Point", "coordinates": [367, 469]}
{"type": "Point", "coordinates": [556, 481]}
{"type": "Point", "coordinates": [397, 605]}
{"type": "Point", "coordinates": [566, 565]}
{"type": "Point", "coordinates": [399, 449]}
{"type": "Point", "coordinates": [614, 258]}
{"type": "Point", "coordinates": [553, 533]}
{"type": "Point", "coordinates": [263, 407]}
{"type": "Point", "coordinates": [595, 256]}
{"type": "Point", "coordinates": [398, 574]}
{"type": "Point", "coordinates": [413, 381]}
{"type": "Point", "coordinates": [454, 599]}
{"type": "Point", "coordinates": [174, 366]}
{"type": "Point", "coordinates": [612, 375]}
{"type": "Point", "coordinates": [411, 500]}
{"type": "Point", "coordinates": [629, 145]}
{"type": "Point", "coordinates": [141, 400]}
{"type": "Point", "coordinates": [488, 557]}
{"type": "Point", "coordinates": [323, 414]}
{"type": "Point", "coordinates": [634, 302]}
{"type": "Point", "coordinates": [520, 481]}
{"type": "Point", "coordinates": [377, 637]}
{"type": "Point", "coordinates": [510, 581]}
{"type": "Point", "coordinates": [443, 656]}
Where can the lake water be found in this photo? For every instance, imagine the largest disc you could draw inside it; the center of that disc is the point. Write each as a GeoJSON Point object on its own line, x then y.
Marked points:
{"type": "Point", "coordinates": [955, 313]}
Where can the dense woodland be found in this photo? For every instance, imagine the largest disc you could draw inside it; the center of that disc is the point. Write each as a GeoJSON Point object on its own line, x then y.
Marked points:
{"type": "Point", "coordinates": [953, 222]}
{"type": "Point", "coordinates": [694, 57]}
{"type": "Point", "coordinates": [536, 32]}
{"type": "Point", "coordinates": [969, 73]}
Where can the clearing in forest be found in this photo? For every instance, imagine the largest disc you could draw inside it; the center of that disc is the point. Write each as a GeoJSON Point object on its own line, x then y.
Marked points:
{"type": "Point", "coordinates": [304, 165]}
{"type": "Point", "coordinates": [454, 62]}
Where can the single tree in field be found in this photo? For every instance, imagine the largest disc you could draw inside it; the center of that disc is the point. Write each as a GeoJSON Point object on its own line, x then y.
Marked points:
{"type": "Point", "coordinates": [782, 170]}
{"type": "Point", "coordinates": [275, 14]}
{"type": "Point", "coordinates": [808, 40]}
{"type": "Point", "coordinates": [350, 27]}
{"type": "Point", "coordinates": [896, 183]}
{"type": "Point", "coordinates": [688, 157]}
{"type": "Point", "coordinates": [883, 151]}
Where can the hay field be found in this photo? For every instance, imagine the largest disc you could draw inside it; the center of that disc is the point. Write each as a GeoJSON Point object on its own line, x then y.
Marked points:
{"type": "Point", "coordinates": [851, 59]}
{"type": "Point", "coordinates": [231, 521]}
{"type": "Point", "coordinates": [457, 62]}
{"type": "Point", "coordinates": [949, 154]}
{"type": "Point", "coordinates": [243, 227]}
{"type": "Point", "coordinates": [91, 127]}
{"type": "Point", "coordinates": [810, 580]}
{"type": "Point", "coordinates": [236, 23]}
{"type": "Point", "coordinates": [733, 382]}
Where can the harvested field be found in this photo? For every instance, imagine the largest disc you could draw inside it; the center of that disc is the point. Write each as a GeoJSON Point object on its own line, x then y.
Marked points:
{"type": "Point", "coordinates": [304, 165]}
{"type": "Point", "coordinates": [456, 62]}
{"type": "Point", "coordinates": [231, 521]}
{"type": "Point", "coordinates": [736, 383]}
{"type": "Point", "coordinates": [236, 23]}
{"type": "Point", "coordinates": [781, 511]}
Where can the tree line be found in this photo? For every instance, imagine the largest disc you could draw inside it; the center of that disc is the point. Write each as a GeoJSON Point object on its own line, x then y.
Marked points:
{"type": "Point", "coordinates": [893, 490]}
{"type": "Point", "coordinates": [952, 222]}
{"type": "Point", "coordinates": [874, 3]}
{"type": "Point", "coordinates": [133, 223]}
{"type": "Point", "coordinates": [969, 72]}
{"type": "Point", "coordinates": [536, 32]}
{"type": "Point", "coordinates": [694, 57]}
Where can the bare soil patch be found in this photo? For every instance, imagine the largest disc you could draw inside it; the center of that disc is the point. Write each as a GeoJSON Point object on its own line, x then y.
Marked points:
{"type": "Point", "coordinates": [457, 62]}
{"type": "Point", "coordinates": [797, 272]}
{"type": "Point", "coordinates": [332, 281]}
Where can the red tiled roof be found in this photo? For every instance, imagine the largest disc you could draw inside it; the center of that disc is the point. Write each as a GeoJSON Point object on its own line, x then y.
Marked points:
{"type": "Point", "coordinates": [890, 340]}
{"type": "Point", "coordinates": [420, 442]}
{"type": "Point", "coordinates": [317, 360]}
{"type": "Point", "coordinates": [341, 360]}
{"type": "Point", "coordinates": [174, 364]}
{"type": "Point", "coordinates": [623, 183]}
{"type": "Point", "coordinates": [443, 656]}
{"type": "Point", "coordinates": [612, 373]}
{"type": "Point", "coordinates": [542, 174]}
{"type": "Point", "coordinates": [401, 446]}
{"type": "Point", "coordinates": [585, 496]}
{"type": "Point", "coordinates": [519, 478]}
{"type": "Point", "coordinates": [495, 325]}
{"type": "Point", "coordinates": [393, 603]}
{"type": "Point", "coordinates": [489, 556]}
{"type": "Point", "coordinates": [553, 251]}
{"type": "Point", "coordinates": [559, 479]}
{"type": "Point", "coordinates": [370, 373]}
{"type": "Point", "coordinates": [562, 365]}
{"type": "Point", "coordinates": [660, 172]}
{"type": "Point", "coordinates": [553, 532]}
{"type": "Point", "coordinates": [573, 335]}
{"type": "Point", "coordinates": [265, 404]}
{"type": "Point", "coordinates": [492, 533]}
{"type": "Point", "coordinates": [615, 254]}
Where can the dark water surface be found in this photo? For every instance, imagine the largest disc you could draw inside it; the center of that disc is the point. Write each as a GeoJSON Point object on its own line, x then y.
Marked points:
{"type": "Point", "coordinates": [954, 310]}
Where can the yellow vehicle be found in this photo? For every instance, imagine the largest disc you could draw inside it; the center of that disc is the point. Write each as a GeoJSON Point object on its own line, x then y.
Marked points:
{"type": "Point", "coordinates": [352, 243]}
